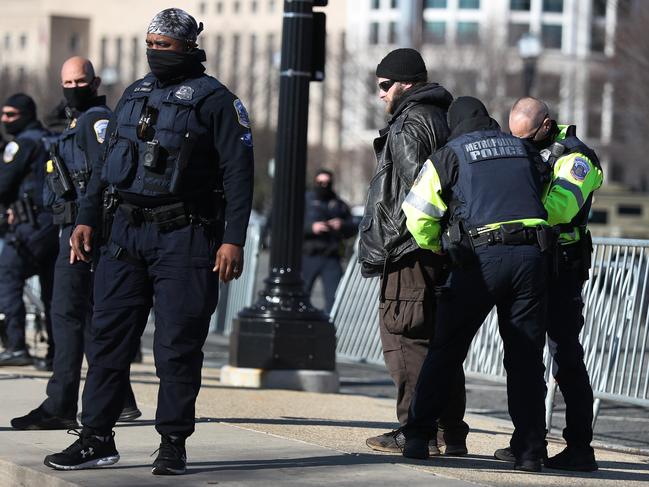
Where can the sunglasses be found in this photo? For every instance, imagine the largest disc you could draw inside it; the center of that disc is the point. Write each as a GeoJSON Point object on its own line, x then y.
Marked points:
{"type": "Point", "coordinates": [531, 137]}
{"type": "Point", "coordinates": [386, 85]}
{"type": "Point", "coordinates": [10, 114]}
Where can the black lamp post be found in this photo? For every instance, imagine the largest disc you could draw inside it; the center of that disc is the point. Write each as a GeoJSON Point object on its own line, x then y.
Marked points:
{"type": "Point", "coordinates": [282, 330]}
{"type": "Point", "coordinates": [529, 49]}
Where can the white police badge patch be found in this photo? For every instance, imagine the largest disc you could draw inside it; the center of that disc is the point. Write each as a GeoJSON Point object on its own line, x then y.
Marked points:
{"type": "Point", "coordinates": [100, 130]}
{"type": "Point", "coordinates": [184, 93]}
{"type": "Point", "coordinates": [242, 114]}
{"type": "Point", "coordinates": [580, 169]}
{"type": "Point", "coordinates": [10, 152]}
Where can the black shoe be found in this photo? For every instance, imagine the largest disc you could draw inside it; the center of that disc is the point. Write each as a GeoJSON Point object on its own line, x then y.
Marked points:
{"type": "Point", "coordinates": [574, 458]}
{"type": "Point", "coordinates": [129, 413]}
{"type": "Point", "coordinates": [416, 448]}
{"type": "Point", "coordinates": [172, 458]}
{"type": "Point", "coordinates": [528, 465]}
{"type": "Point", "coordinates": [456, 449]}
{"type": "Point", "coordinates": [87, 452]}
{"type": "Point", "coordinates": [40, 419]}
{"type": "Point", "coordinates": [505, 454]}
{"type": "Point", "coordinates": [44, 364]}
{"type": "Point", "coordinates": [15, 357]}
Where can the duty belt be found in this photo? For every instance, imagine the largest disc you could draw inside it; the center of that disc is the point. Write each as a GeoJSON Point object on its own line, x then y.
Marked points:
{"type": "Point", "coordinates": [522, 236]}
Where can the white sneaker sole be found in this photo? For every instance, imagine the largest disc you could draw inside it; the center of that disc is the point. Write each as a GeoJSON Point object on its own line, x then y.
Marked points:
{"type": "Point", "coordinates": [167, 471]}
{"type": "Point", "coordinates": [96, 463]}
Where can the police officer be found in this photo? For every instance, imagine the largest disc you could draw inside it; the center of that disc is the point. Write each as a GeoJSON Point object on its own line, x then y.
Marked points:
{"type": "Point", "coordinates": [489, 187]}
{"type": "Point", "coordinates": [69, 169]}
{"type": "Point", "coordinates": [180, 157]}
{"type": "Point", "coordinates": [31, 243]}
{"type": "Point", "coordinates": [327, 222]}
{"type": "Point", "coordinates": [576, 175]}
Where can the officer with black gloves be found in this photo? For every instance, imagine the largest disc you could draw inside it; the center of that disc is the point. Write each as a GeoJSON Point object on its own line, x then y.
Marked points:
{"type": "Point", "coordinates": [31, 242]}
{"type": "Point", "coordinates": [69, 169]}
{"type": "Point", "coordinates": [180, 158]}
{"type": "Point", "coordinates": [488, 185]}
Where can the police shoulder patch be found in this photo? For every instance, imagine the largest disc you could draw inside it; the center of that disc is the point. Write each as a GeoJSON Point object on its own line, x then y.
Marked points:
{"type": "Point", "coordinates": [242, 113]}
{"type": "Point", "coordinates": [10, 152]}
{"type": "Point", "coordinates": [100, 129]}
{"type": "Point", "coordinates": [184, 93]}
{"type": "Point", "coordinates": [580, 169]}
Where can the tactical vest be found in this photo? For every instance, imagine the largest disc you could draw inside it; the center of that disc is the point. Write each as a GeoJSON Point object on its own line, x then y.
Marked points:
{"type": "Point", "coordinates": [157, 129]}
{"type": "Point", "coordinates": [74, 157]}
{"type": "Point", "coordinates": [497, 180]}
{"type": "Point", "coordinates": [571, 145]}
{"type": "Point", "coordinates": [32, 184]}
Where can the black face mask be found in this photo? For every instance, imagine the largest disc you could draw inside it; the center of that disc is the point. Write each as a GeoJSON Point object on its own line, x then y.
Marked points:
{"type": "Point", "coordinates": [17, 126]}
{"type": "Point", "coordinates": [324, 192]}
{"type": "Point", "coordinates": [79, 97]}
{"type": "Point", "coordinates": [167, 65]}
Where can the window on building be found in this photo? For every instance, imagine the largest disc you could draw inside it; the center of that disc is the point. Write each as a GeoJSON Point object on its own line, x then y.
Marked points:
{"type": "Point", "coordinates": [629, 210]}
{"type": "Point", "coordinates": [469, 4]}
{"type": "Point", "coordinates": [597, 36]}
{"type": "Point", "coordinates": [236, 6]}
{"type": "Point", "coordinates": [515, 32]}
{"type": "Point", "coordinates": [23, 41]}
{"type": "Point", "coordinates": [7, 41]}
{"type": "Point", "coordinates": [553, 5]}
{"type": "Point", "coordinates": [135, 57]}
{"type": "Point", "coordinates": [118, 55]}
{"type": "Point", "coordinates": [219, 54]}
{"type": "Point", "coordinates": [236, 48]}
{"type": "Point", "coordinates": [435, 4]}
{"type": "Point", "coordinates": [376, 4]}
{"type": "Point", "coordinates": [468, 33]}
{"type": "Point", "coordinates": [374, 33]}
{"type": "Point", "coordinates": [219, 7]}
{"type": "Point", "coordinates": [103, 52]}
{"type": "Point", "coordinates": [393, 33]}
{"type": "Point", "coordinates": [272, 6]}
{"type": "Point", "coordinates": [435, 32]}
{"type": "Point", "coordinates": [598, 216]}
{"type": "Point", "coordinates": [394, 3]}
{"type": "Point", "coordinates": [374, 113]}
{"type": "Point", "coordinates": [202, 7]}
{"type": "Point", "coordinates": [253, 6]}
{"type": "Point", "coordinates": [599, 8]}
{"type": "Point", "coordinates": [520, 4]}
{"type": "Point", "coordinates": [551, 36]}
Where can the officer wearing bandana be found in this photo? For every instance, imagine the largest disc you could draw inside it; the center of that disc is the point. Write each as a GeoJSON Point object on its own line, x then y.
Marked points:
{"type": "Point", "coordinates": [71, 158]}
{"type": "Point", "coordinates": [31, 243]}
{"type": "Point", "coordinates": [179, 156]}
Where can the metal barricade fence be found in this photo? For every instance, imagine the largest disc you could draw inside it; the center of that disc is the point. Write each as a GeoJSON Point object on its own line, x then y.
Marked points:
{"type": "Point", "coordinates": [238, 294]}
{"type": "Point", "coordinates": [615, 335]}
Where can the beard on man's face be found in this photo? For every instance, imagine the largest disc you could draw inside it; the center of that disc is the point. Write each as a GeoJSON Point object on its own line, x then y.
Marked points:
{"type": "Point", "coordinates": [396, 98]}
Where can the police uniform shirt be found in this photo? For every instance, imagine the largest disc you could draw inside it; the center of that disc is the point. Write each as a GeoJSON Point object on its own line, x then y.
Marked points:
{"type": "Point", "coordinates": [231, 145]}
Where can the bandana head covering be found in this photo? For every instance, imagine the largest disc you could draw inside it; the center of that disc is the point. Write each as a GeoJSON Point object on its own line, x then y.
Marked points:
{"type": "Point", "coordinates": [175, 23]}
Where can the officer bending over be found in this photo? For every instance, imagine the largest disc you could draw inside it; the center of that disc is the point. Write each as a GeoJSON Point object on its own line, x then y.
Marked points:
{"type": "Point", "coordinates": [180, 157]}
{"type": "Point", "coordinates": [489, 186]}
{"type": "Point", "coordinates": [576, 175]}
{"type": "Point", "coordinates": [69, 168]}
{"type": "Point", "coordinates": [31, 242]}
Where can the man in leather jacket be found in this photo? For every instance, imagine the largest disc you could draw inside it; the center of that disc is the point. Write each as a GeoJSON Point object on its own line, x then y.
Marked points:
{"type": "Point", "coordinates": [416, 128]}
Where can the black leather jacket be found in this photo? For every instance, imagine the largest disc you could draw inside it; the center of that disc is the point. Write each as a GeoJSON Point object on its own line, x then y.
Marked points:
{"type": "Point", "coordinates": [417, 128]}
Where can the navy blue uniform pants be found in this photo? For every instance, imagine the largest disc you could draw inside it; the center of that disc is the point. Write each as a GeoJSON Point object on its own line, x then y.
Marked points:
{"type": "Point", "coordinates": [565, 322]}
{"type": "Point", "coordinates": [329, 270]}
{"type": "Point", "coordinates": [173, 273]}
{"type": "Point", "coordinates": [27, 252]}
{"type": "Point", "coordinates": [515, 280]}
{"type": "Point", "coordinates": [71, 315]}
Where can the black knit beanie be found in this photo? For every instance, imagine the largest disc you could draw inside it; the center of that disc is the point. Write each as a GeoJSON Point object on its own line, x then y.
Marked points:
{"type": "Point", "coordinates": [402, 65]}
{"type": "Point", "coordinates": [24, 103]}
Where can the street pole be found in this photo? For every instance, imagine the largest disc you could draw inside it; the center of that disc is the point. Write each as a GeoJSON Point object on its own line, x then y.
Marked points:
{"type": "Point", "coordinates": [282, 330]}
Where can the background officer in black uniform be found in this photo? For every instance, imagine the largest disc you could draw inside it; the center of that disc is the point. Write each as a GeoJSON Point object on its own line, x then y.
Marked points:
{"type": "Point", "coordinates": [31, 243]}
{"type": "Point", "coordinates": [69, 169]}
{"type": "Point", "coordinates": [489, 186]}
{"type": "Point", "coordinates": [327, 222]}
{"type": "Point", "coordinates": [180, 157]}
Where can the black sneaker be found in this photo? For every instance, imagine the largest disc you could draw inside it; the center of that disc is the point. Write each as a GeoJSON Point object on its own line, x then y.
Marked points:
{"type": "Point", "coordinates": [528, 465]}
{"type": "Point", "coordinates": [394, 441]}
{"type": "Point", "coordinates": [578, 459]}
{"type": "Point", "coordinates": [505, 454]}
{"type": "Point", "coordinates": [171, 459]}
{"type": "Point", "coordinates": [40, 419]}
{"type": "Point", "coordinates": [15, 357]}
{"type": "Point", "coordinates": [87, 452]}
{"type": "Point", "coordinates": [129, 413]}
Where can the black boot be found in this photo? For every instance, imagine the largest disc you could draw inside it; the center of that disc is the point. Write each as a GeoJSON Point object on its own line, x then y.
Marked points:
{"type": "Point", "coordinates": [578, 459]}
{"type": "Point", "coordinates": [172, 458]}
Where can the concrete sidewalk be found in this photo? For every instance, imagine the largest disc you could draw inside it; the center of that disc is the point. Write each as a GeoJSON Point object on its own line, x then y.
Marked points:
{"type": "Point", "coordinates": [275, 437]}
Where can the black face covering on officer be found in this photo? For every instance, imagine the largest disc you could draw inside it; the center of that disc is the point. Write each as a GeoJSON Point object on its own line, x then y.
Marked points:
{"type": "Point", "coordinates": [167, 65]}
{"type": "Point", "coordinates": [79, 97]}
{"type": "Point", "coordinates": [27, 108]}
